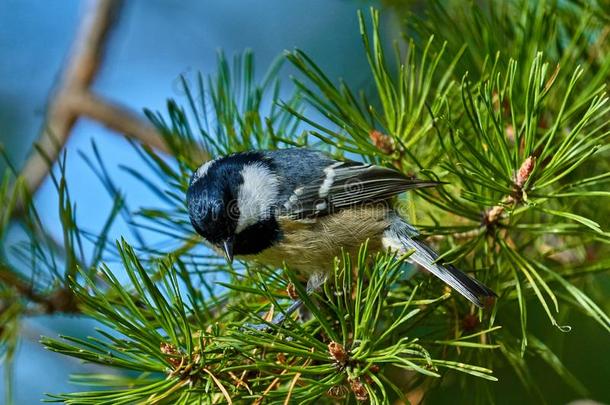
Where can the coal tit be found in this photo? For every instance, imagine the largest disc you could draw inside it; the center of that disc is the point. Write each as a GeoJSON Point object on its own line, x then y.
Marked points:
{"type": "Point", "coordinates": [299, 207]}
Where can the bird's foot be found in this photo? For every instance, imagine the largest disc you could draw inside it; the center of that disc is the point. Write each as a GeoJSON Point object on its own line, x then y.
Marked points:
{"type": "Point", "coordinates": [314, 284]}
{"type": "Point", "coordinates": [277, 320]}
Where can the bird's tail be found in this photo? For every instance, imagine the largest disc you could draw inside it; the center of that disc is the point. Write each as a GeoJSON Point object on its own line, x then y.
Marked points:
{"type": "Point", "coordinates": [401, 236]}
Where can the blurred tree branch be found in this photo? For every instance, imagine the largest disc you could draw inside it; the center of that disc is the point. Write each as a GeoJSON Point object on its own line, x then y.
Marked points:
{"type": "Point", "coordinates": [74, 98]}
{"type": "Point", "coordinates": [59, 299]}
{"type": "Point", "coordinates": [118, 118]}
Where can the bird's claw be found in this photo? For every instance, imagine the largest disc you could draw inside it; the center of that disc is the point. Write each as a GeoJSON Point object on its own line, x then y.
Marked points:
{"type": "Point", "coordinates": [315, 283]}
{"type": "Point", "coordinates": [277, 320]}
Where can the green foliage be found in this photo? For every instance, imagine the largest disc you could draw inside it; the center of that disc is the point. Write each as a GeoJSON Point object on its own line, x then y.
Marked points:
{"type": "Point", "coordinates": [505, 105]}
{"type": "Point", "coordinates": [46, 288]}
{"type": "Point", "coordinates": [184, 353]}
{"type": "Point", "coordinates": [232, 112]}
{"type": "Point", "coordinates": [511, 145]}
{"type": "Point", "coordinates": [403, 99]}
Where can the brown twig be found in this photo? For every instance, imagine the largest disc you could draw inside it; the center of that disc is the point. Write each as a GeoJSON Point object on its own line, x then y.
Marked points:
{"type": "Point", "coordinates": [80, 70]}
{"type": "Point", "coordinates": [494, 214]}
{"type": "Point", "coordinates": [118, 118]}
{"type": "Point", "coordinates": [59, 299]}
{"type": "Point", "coordinates": [73, 97]}
{"type": "Point", "coordinates": [8, 278]}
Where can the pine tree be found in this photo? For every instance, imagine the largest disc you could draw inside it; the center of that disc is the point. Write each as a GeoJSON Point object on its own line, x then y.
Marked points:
{"type": "Point", "coordinates": [506, 105]}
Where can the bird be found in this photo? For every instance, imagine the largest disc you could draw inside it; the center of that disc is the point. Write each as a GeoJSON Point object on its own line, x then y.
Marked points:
{"type": "Point", "coordinates": [301, 208]}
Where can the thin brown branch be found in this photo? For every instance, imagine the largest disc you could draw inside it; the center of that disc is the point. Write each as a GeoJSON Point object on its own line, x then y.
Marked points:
{"type": "Point", "coordinates": [494, 214]}
{"type": "Point", "coordinates": [74, 98]}
{"type": "Point", "coordinates": [473, 233]}
{"type": "Point", "coordinates": [80, 71]}
{"type": "Point", "coordinates": [59, 299]}
{"type": "Point", "coordinates": [24, 288]}
{"type": "Point", "coordinates": [117, 118]}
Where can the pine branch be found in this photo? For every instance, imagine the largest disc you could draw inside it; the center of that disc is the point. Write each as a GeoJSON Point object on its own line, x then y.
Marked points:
{"type": "Point", "coordinates": [520, 142]}
{"type": "Point", "coordinates": [200, 358]}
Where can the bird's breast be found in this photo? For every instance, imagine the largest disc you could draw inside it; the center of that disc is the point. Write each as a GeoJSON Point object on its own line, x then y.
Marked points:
{"type": "Point", "coordinates": [311, 245]}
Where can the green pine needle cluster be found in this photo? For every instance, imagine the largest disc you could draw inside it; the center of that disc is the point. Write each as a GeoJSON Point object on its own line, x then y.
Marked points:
{"type": "Point", "coordinates": [506, 106]}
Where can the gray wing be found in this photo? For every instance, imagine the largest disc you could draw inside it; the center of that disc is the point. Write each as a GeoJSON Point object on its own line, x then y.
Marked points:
{"type": "Point", "coordinates": [331, 185]}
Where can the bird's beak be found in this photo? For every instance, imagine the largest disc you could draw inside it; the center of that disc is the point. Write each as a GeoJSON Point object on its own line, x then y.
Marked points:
{"type": "Point", "coordinates": [228, 248]}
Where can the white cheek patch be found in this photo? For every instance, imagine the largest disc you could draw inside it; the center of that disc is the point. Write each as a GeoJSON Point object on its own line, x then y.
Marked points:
{"type": "Point", "coordinates": [257, 195]}
{"type": "Point", "coordinates": [203, 169]}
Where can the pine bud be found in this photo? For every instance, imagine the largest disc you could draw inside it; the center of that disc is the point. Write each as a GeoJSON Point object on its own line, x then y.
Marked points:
{"type": "Point", "coordinates": [367, 378]}
{"type": "Point", "coordinates": [489, 302]}
{"type": "Point", "coordinates": [493, 215]}
{"type": "Point", "coordinates": [525, 171]}
{"type": "Point", "coordinates": [338, 352]}
{"type": "Point", "coordinates": [382, 142]}
{"type": "Point", "coordinates": [337, 391]}
{"type": "Point", "coordinates": [470, 322]}
{"type": "Point", "coordinates": [358, 389]}
{"type": "Point", "coordinates": [168, 348]}
{"type": "Point", "coordinates": [173, 355]}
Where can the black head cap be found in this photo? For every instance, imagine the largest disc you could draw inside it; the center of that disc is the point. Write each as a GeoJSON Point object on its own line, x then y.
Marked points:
{"type": "Point", "coordinates": [212, 199]}
{"type": "Point", "coordinates": [210, 212]}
